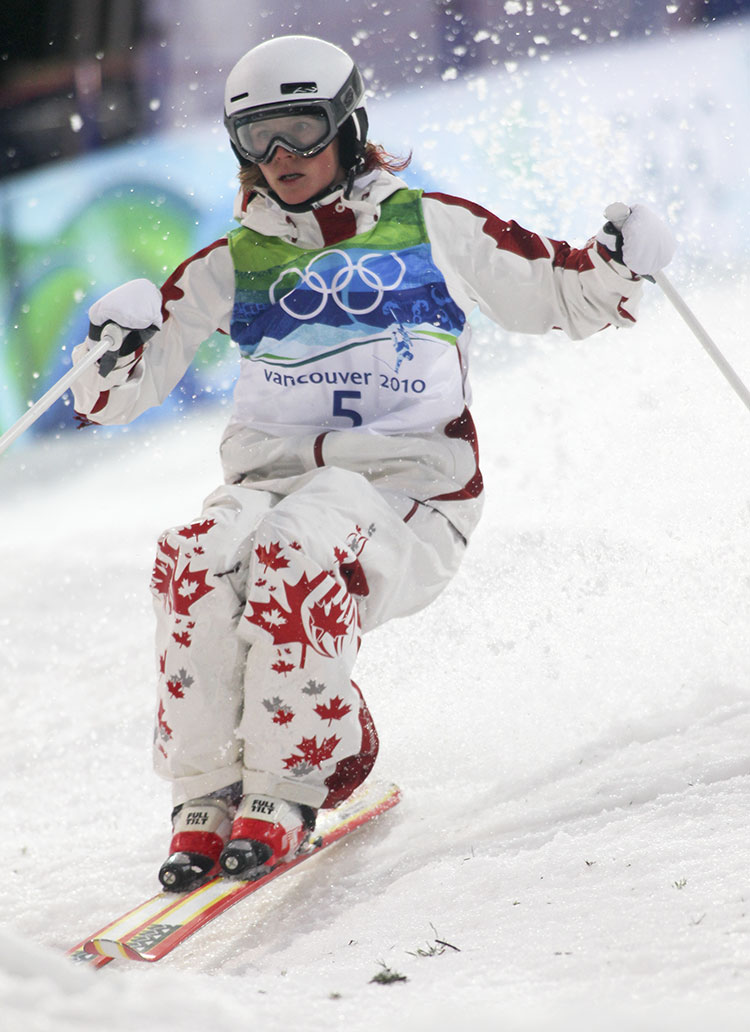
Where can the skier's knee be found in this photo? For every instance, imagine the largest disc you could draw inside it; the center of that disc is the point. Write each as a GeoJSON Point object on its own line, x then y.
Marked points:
{"type": "Point", "coordinates": [184, 556]}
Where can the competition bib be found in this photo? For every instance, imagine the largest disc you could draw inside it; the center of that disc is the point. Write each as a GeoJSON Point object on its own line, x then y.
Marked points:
{"type": "Point", "coordinates": [360, 335]}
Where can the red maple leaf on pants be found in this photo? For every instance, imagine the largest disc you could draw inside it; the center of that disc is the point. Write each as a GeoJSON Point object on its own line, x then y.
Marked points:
{"type": "Point", "coordinates": [174, 686]}
{"type": "Point", "coordinates": [312, 753]}
{"type": "Point", "coordinates": [330, 619]}
{"type": "Point", "coordinates": [180, 592]}
{"type": "Point", "coordinates": [164, 729]}
{"type": "Point", "coordinates": [285, 625]}
{"type": "Point", "coordinates": [271, 556]}
{"type": "Point", "coordinates": [335, 710]}
{"type": "Point", "coordinates": [197, 529]}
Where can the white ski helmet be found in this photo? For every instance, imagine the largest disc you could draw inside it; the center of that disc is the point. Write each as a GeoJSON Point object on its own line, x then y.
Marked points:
{"type": "Point", "coordinates": [298, 92]}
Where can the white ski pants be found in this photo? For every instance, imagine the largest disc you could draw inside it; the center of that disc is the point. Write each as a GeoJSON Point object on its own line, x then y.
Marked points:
{"type": "Point", "coordinates": [260, 603]}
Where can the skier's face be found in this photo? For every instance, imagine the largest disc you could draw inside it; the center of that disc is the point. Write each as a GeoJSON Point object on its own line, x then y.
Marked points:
{"type": "Point", "coordinates": [295, 179]}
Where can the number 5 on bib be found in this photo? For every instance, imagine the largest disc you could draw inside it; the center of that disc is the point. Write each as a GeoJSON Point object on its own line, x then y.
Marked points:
{"type": "Point", "coordinates": [339, 397]}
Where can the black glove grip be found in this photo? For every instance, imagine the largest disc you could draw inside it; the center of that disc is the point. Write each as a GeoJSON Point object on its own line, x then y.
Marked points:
{"type": "Point", "coordinates": [132, 340]}
{"type": "Point", "coordinates": [610, 227]}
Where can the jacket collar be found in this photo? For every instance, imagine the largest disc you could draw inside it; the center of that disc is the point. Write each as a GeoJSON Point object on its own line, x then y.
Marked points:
{"type": "Point", "coordinates": [331, 219]}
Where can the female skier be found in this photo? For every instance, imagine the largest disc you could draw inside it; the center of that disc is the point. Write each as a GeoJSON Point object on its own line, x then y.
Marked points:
{"type": "Point", "coordinates": [352, 482]}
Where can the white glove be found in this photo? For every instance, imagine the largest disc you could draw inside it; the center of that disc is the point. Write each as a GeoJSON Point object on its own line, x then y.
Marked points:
{"type": "Point", "coordinates": [638, 238]}
{"type": "Point", "coordinates": [136, 307]}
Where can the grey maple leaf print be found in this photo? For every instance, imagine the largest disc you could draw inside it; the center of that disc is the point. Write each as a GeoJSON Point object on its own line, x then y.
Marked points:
{"type": "Point", "coordinates": [313, 688]}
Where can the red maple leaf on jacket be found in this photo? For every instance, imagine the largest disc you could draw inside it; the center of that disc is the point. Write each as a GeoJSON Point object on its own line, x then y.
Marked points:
{"type": "Point", "coordinates": [311, 752]}
{"type": "Point", "coordinates": [285, 625]}
{"type": "Point", "coordinates": [271, 556]}
{"type": "Point", "coordinates": [335, 710]}
{"type": "Point", "coordinates": [283, 716]}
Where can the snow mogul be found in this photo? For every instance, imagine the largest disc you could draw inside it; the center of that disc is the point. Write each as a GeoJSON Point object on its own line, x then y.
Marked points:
{"type": "Point", "coordinates": [351, 467]}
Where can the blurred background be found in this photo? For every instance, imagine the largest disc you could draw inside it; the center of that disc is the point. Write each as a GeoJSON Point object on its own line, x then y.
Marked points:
{"type": "Point", "coordinates": [113, 162]}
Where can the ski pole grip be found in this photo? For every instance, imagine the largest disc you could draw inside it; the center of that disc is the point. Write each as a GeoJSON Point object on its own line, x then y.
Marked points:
{"type": "Point", "coordinates": [617, 214]}
{"type": "Point", "coordinates": [114, 334]}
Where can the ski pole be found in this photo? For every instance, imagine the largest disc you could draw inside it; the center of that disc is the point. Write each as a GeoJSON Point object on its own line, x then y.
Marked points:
{"type": "Point", "coordinates": [617, 213]}
{"type": "Point", "coordinates": [111, 340]}
{"type": "Point", "coordinates": [734, 381]}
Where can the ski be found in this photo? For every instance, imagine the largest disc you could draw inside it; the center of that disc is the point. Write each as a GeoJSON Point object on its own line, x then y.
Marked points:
{"type": "Point", "coordinates": [152, 929]}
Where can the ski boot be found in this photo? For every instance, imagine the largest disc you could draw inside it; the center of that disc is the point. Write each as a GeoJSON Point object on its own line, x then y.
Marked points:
{"type": "Point", "coordinates": [200, 829]}
{"type": "Point", "coordinates": [266, 832]}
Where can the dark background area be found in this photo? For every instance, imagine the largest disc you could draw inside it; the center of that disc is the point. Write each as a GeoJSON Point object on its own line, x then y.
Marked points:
{"type": "Point", "coordinates": [82, 74]}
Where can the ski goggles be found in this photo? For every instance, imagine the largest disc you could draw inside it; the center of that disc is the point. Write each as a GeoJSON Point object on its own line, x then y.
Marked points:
{"type": "Point", "coordinates": [303, 129]}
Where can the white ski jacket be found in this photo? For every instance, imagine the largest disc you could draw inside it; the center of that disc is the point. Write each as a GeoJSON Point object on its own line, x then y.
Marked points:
{"type": "Point", "coordinates": [352, 321]}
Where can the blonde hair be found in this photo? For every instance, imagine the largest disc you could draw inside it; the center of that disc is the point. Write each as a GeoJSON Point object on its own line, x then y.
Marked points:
{"type": "Point", "coordinates": [251, 176]}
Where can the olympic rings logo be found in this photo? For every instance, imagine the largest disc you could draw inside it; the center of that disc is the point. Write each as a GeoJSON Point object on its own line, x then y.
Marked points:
{"type": "Point", "coordinates": [315, 282]}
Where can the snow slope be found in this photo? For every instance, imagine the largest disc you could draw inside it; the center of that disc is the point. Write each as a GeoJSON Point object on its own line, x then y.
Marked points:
{"type": "Point", "coordinates": [569, 723]}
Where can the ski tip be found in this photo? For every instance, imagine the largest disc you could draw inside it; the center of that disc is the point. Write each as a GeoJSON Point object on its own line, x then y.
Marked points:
{"type": "Point", "coordinates": [368, 801]}
{"type": "Point", "coordinates": [111, 948]}
{"type": "Point", "coordinates": [387, 796]}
